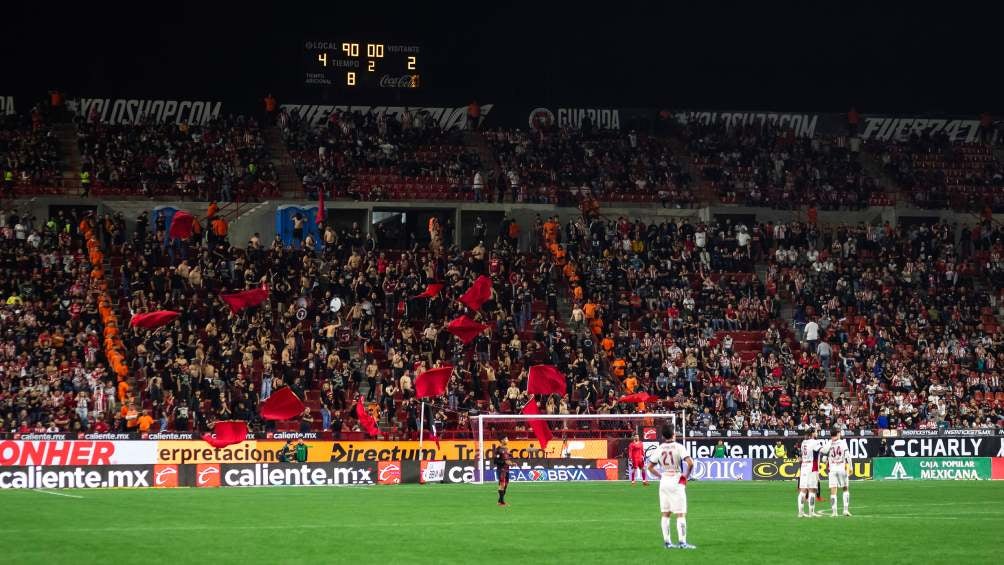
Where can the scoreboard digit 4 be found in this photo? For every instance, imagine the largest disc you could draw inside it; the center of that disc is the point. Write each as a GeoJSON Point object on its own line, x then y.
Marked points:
{"type": "Point", "coordinates": [354, 64]}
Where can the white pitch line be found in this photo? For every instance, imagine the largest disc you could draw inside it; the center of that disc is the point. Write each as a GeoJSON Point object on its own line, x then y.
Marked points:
{"type": "Point", "coordinates": [56, 493]}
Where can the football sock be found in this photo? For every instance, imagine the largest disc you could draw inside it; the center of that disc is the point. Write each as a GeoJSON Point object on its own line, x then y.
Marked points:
{"type": "Point", "coordinates": [801, 500]}
{"type": "Point", "coordinates": [812, 504]}
{"type": "Point", "coordinates": [847, 500]}
{"type": "Point", "coordinates": [501, 496]}
{"type": "Point", "coordinates": [665, 530]}
{"type": "Point", "coordinates": [833, 503]}
{"type": "Point", "coordinates": [681, 530]}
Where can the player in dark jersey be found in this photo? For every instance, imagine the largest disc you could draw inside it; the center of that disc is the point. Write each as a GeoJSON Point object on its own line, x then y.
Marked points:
{"type": "Point", "coordinates": [501, 460]}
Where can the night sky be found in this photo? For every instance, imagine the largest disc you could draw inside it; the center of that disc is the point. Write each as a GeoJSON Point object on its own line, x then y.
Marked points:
{"type": "Point", "coordinates": [903, 58]}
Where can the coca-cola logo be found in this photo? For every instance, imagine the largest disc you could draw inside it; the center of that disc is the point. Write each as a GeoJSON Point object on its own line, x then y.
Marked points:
{"type": "Point", "coordinates": [403, 81]}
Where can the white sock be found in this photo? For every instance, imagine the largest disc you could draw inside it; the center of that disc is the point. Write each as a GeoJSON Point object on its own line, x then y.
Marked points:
{"type": "Point", "coordinates": [801, 501]}
{"type": "Point", "coordinates": [681, 530]}
{"type": "Point", "coordinates": [665, 530]}
{"type": "Point", "coordinates": [847, 500]}
{"type": "Point", "coordinates": [812, 502]}
{"type": "Point", "coordinates": [833, 503]}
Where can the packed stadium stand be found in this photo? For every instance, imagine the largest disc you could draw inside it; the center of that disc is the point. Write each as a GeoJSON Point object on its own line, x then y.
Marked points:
{"type": "Point", "coordinates": [769, 324]}
{"type": "Point", "coordinates": [223, 160]}
{"type": "Point", "coordinates": [380, 157]}
{"type": "Point", "coordinates": [29, 153]}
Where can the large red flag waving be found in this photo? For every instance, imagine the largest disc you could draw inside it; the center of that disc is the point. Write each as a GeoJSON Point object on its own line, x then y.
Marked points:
{"type": "Point", "coordinates": [478, 294]}
{"type": "Point", "coordinates": [151, 320]}
{"type": "Point", "coordinates": [545, 379]}
{"type": "Point", "coordinates": [181, 225]}
{"type": "Point", "coordinates": [432, 382]}
{"type": "Point", "coordinates": [227, 432]}
{"type": "Point", "coordinates": [365, 420]}
{"type": "Point", "coordinates": [465, 328]}
{"type": "Point", "coordinates": [540, 429]}
{"type": "Point", "coordinates": [245, 298]}
{"type": "Point", "coordinates": [431, 290]}
{"type": "Point", "coordinates": [282, 404]}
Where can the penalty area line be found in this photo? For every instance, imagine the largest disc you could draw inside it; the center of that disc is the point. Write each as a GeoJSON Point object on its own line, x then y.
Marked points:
{"type": "Point", "coordinates": [56, 493]}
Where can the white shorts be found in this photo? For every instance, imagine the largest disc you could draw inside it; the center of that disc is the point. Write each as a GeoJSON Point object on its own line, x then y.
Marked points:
{"type": "Point", "coordinates": [838, 478]}
{"type": "Point", "coordinates": [672, 495]}
{"type": "Point", "coordinates": [808, 479]}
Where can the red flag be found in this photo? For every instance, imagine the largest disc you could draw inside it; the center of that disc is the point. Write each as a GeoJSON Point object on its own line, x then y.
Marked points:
{"type": "Point", "coordinates": [432, 382]}
{"type": "Point", "coordinates": [227, 432]}
{"type": "Point", "coordinates": [245, 298]}
{"type": "Point", "coordinates": [151, 320]}
{"type": "Point", "coordinates": [181, 225]}
{"type": "Point", "coordinates": [282, 404]}
{"type": "Point", "coordinates": [545, 379]}
{"type": "Point", "coordinates": [540, 429]}
{"type": "Point", "coordinates": [322, 214]}
{"type": "Point", "coordinates": [365, 420]}
{"type": "Point", "coordinates": [431, 290]}
{"type": "Point", "coordinates": [638, 397]}
{"type": "Point", "coordinates": [478, 294]}
{"type": "Point", "coordinates": [465, 328]}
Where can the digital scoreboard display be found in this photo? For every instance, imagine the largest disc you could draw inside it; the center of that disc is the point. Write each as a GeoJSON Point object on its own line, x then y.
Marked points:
{"type": "Point", "coordinates": [361, 64]}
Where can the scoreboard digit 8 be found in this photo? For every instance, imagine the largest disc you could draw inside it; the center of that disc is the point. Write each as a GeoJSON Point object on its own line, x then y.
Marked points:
{"type": "Point", "coordinates": [361, 64]}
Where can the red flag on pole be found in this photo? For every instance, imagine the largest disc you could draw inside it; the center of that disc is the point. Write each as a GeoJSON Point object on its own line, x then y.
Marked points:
{"type": "Point", "coordinates": [227, 432]}
{"type": "Point", "coordinates": [245, 298]}
{"type": "Point", "coordinates": [545, 379]}
{"type": "Point", "coordinates": [322, 214]}
{"type": "Point", "coordinates": [540, 429]}
{"type": "Point", "coordinates": [282, 404]}
{"type": "Point", "coordinates": [431, 290]}
{"type": "Point", "coordinates": [432, 382]}
{"type": "Point", "coordinates": [478, 294]}
{"type": "Point", "coordinates": [151, 320]}
{"type": "Point", "coordinates": [365, 420]}
{"type": "Point", "coordinates": [181, 225]}
{"type": "Point", "coordinates": [465, 328]}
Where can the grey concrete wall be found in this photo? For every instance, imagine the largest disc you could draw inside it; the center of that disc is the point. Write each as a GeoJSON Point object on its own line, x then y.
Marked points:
{"type": "Point", "coordinates": [260, 217]}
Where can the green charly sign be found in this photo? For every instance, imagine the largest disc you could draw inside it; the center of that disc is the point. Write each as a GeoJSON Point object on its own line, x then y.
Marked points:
{"type": "Point", "coordinates": [932, 468]}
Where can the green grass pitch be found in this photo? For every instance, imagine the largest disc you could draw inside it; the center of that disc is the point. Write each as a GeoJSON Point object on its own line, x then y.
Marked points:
{"type": "Point", "coordinates": [743, 522]}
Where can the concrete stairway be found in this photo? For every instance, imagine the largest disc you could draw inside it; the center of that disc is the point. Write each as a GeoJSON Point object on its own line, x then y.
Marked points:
{"type": "Point", "coordinates": [66, 134]}
{"type": "Point", "coordinates": [490, 167]}
{"type": "Point", "coordinates": [290, 183]}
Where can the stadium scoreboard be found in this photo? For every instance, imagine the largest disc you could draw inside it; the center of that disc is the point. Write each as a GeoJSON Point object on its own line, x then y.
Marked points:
{"type": "Point", "coordinates": [361, 64]}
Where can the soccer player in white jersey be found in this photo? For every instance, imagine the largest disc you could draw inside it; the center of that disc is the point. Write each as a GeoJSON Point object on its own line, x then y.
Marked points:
{"type": "Point", "coordinates": [808, 474]}
{"type": "Point", "coordinates": [839, 458]}
{"type": "Point", "coordinates": [669, 457]}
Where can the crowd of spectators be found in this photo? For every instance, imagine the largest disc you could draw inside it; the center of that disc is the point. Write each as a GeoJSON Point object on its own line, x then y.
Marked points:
{"type": "Point", "coordinates": [936, 173]}
{"type": "Point", "coordinates": [225, 159]}
{"type": "Point", "coordinates": [905, 318]}
{"type": "Point", "coordinates": [29, 152]}
{"type": "Point", "coordinates": [52, 372]}
{"type": "Point", "coordinates": [380, 156]}
{"type": "Point", "coordinates": [564, 165]}
{"type": "Point", "coordinates": [766, 165]}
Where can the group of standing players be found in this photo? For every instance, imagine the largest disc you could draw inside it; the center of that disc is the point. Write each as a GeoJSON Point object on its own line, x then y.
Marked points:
{"type": "Point", "coordinates": [671, 462]}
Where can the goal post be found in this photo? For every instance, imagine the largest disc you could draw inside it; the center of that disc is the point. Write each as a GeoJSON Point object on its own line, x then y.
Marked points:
{"type": "Point", "coordinates": [608, 427]}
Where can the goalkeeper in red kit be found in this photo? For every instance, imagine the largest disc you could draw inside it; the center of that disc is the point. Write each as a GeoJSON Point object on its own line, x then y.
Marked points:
{"type": "Point", "coordinates": [501, 460]}
{"type": "Point", "coordinates": [636, 454]}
